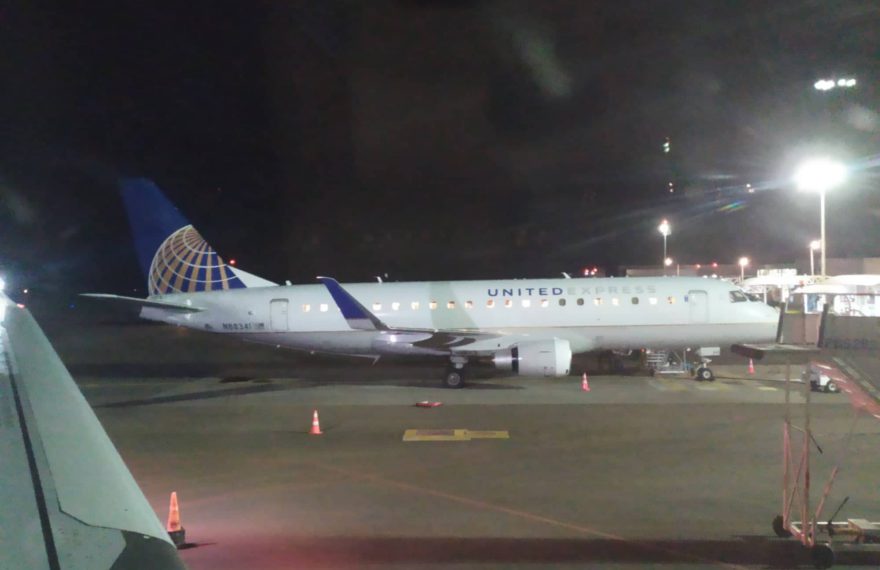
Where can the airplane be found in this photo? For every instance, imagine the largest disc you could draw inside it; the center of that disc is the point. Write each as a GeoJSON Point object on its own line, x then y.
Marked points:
{"type": "Point", "coordinates": [529, 327]}
{"type": "Point", "coordinates": [68, 500]}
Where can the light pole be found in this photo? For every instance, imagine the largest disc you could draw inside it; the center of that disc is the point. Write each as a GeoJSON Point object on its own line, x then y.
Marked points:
{"type": "Point", "coordinates": [665, 229]}
{"type": "Point", "coordinates": [814, 245]}
{"type": "Point", "coordinates": [743, 262]}
{"type": "Point", "coordinates": [820, 175]}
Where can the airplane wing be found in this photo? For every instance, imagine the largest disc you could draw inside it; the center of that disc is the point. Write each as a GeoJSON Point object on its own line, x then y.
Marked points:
{"type": "Point", "coordinates": [140, 303]}
{"type": "Point", "coordinates": [67, 500]}
{"type": "Point", "coordinates": [468, 342]}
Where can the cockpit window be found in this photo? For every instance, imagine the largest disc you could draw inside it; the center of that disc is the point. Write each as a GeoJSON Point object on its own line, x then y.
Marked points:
{"type": "Point", "coordinates": [738, 297]}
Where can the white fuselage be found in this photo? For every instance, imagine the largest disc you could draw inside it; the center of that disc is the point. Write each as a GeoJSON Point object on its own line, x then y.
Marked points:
{"type": "Point", "coordinates": [591, 314]}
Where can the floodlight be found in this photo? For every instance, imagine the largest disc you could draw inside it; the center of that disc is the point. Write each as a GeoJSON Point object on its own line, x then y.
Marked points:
{"type": "Point", "coordinates": [664, 228]}
{"type": "Point", "coordinates": [820, 174]}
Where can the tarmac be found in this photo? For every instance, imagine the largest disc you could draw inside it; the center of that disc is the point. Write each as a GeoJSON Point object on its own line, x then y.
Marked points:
{"type": "Point", "coordinates": [637, 472]}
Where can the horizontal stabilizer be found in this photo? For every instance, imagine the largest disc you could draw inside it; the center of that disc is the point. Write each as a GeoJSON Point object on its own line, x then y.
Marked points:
{"type": "Point", "coordinates": [357, 316]}
{"type": "Point", "coordinates": [136, 302]}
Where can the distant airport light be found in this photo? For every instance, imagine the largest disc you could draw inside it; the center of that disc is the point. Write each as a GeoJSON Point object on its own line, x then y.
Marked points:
{"type": "Point", "coordinates": [664, 228]}
{"type": "Point", "coordinates": [667, 146]}
{"type": "Point", "coordinates": [714, 264]}
{"type": "Point", "coordinates": [815, 246]}
{"type": "Point", "coordinates": [25, 291]}
{"type": "Point", "coordinates": [829, 84]}
{"type": "Point", "coordinates": [231, 262]}
{"type": "Point", "coordinates": [750, 189]}
{"type": "Point", "coordinates": [698, 266]}
{"type": "Point", "coordinates": [667, 262]}
{"type": "Point", "coordinates": [743, 262]}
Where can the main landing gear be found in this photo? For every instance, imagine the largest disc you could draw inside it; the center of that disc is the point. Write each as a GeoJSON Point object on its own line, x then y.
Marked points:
{"type": "Point", "coordinates": [703, 373]}
{"type": "Point", "coordinates": [454, 377]}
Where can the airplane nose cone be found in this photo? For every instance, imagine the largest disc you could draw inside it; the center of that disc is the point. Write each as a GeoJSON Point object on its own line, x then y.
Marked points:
{"type": "Point", "coordinates": [770, 320]}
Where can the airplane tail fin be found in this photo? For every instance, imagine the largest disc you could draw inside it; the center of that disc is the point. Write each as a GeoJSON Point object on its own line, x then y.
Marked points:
{"type": "Point", "coordinates": [174, 257]}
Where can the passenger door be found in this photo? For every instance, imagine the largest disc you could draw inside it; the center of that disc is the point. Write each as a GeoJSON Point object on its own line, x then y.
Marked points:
{"type": "Point", "coordinates": [698, 304]}
{"type": "Point", "coordinates": [278, 314]}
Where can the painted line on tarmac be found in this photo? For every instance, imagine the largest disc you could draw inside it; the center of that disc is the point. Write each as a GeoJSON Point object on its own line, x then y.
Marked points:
{"type": "Point", "coordinates": [768, 388]}
{"type": "Point", "coordinates": [518, 513]}
{"type": "Point", "coordinates": [453, 434]}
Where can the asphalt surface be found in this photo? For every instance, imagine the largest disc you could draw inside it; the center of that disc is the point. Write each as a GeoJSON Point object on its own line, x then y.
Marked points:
{"type": "Point", "coordinates": [637, 472]}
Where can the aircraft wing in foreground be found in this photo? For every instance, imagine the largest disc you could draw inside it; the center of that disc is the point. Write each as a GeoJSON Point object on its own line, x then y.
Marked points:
{"type": "Point", "coordinates": [68, 500]}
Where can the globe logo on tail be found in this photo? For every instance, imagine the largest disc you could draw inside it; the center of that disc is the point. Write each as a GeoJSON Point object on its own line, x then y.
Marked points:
{"type": "Point", "coordinates": [185, 263]}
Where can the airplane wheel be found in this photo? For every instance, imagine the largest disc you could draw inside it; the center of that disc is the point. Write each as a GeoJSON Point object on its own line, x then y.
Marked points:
{"type": "Point", "coordinates": [705, 374]}
{"type": "Point", "coordinates": [831, 387]}
{"type": "Point", "coordinates": [779, 529]}
{"type": "Point", "coordinates": [822, 556]}
{"type": "Point", "coordinates": [454, 378]}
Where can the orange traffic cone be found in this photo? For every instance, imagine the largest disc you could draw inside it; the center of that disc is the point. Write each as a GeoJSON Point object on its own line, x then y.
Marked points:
{"type": "Point", "coordinates": [316, 425]}
{"type": "Point", "coordinates": [751, 366]}
{"type": "Point", "coordinates": [174, 528]}
{"type": "Point", "coordinates": [585, 383]}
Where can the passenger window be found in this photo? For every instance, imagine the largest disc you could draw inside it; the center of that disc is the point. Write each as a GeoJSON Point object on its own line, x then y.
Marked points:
{"type": "Point", "coordinates": [635, 300]}
{"type": "Point", "coordinates": [395, 306]}
{"type": "Point", "coordinates": [450, 304]}
{"type": "Point", "coordinates": [414, 305]}
{"type": "Point", "coordinates": [377, 306]}
{"type": "Point", "coordinates": [545, 303]}
{"type": "Point", "coordinates": [527, 303]}
{"type": "Point", "coordinates": [561, 302]}
{"type": "Point", "coordinates": [307, 308]}
{"type": "Point", "coordinates": [670, 300]}
{"type": "Point", "coordinates": [468, 304]}
{"type": "Point", "coordinates": [615, 301]}
{"type": "Point", "coordinates": [490, 303]}
{"type": "Point", "coordinates": [323, 307]}
{"type": "Point", "coordinates": [580, 301]}
{"type": "Point", "coordinates": [652, 300]}
{"type": "Point", "coordinates": [508, 303]}
{"type": "Point", "coordinates": [597, 301]}
{"type": "Point", "coordinates": [432, 305]}
{"type": "Point", "coordinates": [738, 297]}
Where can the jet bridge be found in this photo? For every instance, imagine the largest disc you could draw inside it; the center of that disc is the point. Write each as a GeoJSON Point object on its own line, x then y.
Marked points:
{"type": "Point", "coordinates": [848, 350]}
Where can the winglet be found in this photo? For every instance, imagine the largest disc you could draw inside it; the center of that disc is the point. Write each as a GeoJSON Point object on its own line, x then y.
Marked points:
{"type": "Point", "coordinates": [357, 316]}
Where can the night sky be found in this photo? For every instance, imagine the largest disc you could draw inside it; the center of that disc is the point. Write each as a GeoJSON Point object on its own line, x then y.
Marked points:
{"type": "Point", "coordinates": [432, 139]}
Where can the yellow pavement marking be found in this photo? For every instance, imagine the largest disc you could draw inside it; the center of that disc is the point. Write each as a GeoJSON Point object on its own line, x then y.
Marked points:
{"type": "Point", "coordinates": [452, 434]}
{"type": "Point", "coordinates": [488, 434]}
{"type": "Point", "coordinates": [435, 435]}
{"type": "Point", "coordinates": [767, 388]}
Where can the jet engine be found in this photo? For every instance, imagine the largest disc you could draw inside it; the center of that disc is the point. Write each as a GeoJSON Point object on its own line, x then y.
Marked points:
{"type": "Point", "coordinates": [538, 358]}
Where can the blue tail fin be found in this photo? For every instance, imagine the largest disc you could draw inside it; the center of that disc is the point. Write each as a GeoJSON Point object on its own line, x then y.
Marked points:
{"type": "Point", "coordinates": [174, 257]}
